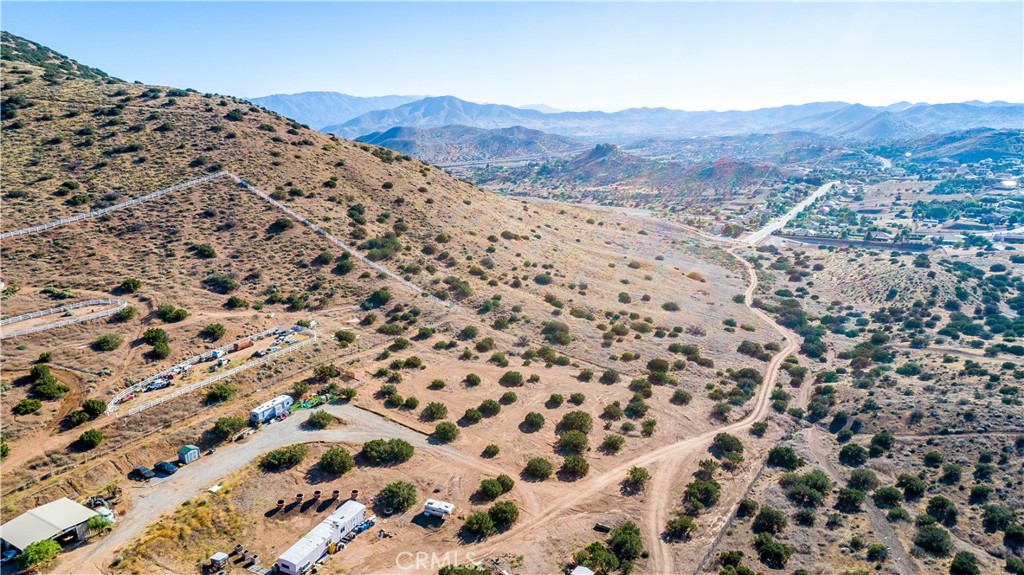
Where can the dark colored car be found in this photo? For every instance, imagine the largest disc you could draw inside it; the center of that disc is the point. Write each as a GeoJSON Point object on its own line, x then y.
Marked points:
{"type": "Point", "coordinates": [166, 467]}
{"type": "Point", "coordinates": [141, 473]}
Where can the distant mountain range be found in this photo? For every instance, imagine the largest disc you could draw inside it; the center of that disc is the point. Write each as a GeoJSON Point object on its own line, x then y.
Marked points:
{"type": "Point", "coordinates": [453, 144]}
{"type": "Point", "coordinates": [854, 121]}
{"type": "Point", "coordinates": [319, 109]}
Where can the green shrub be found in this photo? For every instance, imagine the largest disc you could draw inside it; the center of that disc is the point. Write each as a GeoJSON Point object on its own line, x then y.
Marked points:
{"type": "Point", "coordinates": [479, 525]}
{"type": "Point", "coordinates": [284, 457]}
{"type": "Point", "coordinates": [94, 408]}
{"type": "Point", "coordinates": [220, 392]}
{"type": "Point", "coordinates": [108, 342]}
{"type": "Point", "coordinates": [130, 285]}
{"type": "Point", "coordinates": [397, 496]}
{"type": "Point", "coordinates": [504, 514]}
{"type": "Point", "coordinates": [446, 432]}
{"type": "Point", "coordinates": [226, 427]}
{"type": "Point", "coordinates": [213, 332]}
{"type": "Point", "coordinates": [387, 451]}
{"type": "Point", "coordinates": [320, 419]}
{"type": "Point", "coordinates": [538, 468]}
{"type": "Point", "coordinates": [39, 554]}
{"type": "Point", "coordinates": [90, 439]}
{"type": "Point", "coordinates": [27, 406]}
{"type": "Point", "coordinates": [336, 461]}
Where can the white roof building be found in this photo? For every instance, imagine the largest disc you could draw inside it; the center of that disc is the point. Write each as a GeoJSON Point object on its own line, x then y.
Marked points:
{"type": "Point", "coordinates": [306, 551]}
{"type": "Point", "coordinates": [46, 522]}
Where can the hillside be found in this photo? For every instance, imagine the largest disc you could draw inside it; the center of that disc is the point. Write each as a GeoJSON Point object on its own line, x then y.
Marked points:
{"type": "Point", "coordinates": [319, 109]}
{"type": "Point", "coordinates": [557, 296]}
{"type": "Point", "coordinates": [452, 144]}
{"type": "Point", "coordinates": [607, 167]}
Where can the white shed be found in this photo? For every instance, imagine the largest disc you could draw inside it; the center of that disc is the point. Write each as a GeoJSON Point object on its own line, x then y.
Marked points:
{"type": "Point", "coordinates": [308, 550]}
{"type": "Point", "coordinates": [271, 409]}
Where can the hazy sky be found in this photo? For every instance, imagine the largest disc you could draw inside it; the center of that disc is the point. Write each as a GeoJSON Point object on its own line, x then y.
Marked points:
{"type": "Point", "coordinates": [607, 56]}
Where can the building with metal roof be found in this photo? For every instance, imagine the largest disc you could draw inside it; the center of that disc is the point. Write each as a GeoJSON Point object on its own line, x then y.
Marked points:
{"type": "Point", "coordinates": [50, 521]}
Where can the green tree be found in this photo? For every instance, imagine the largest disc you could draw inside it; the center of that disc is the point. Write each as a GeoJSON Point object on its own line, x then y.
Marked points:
{"type": "Point", "coordinates": [90, 439]}
{"type": "Point", "coordinates": [479, 525]}
{"type": "Point", "coordinates": [284, 457]}
{"type": "Point", "coordinates": [769, 520]}
{"type": "Point", "coordinates": [337, 461]}
{"type": "Point", "coordinates": [680, 527]}
{"type": "Point", "coordinates": [27, 406]}
{"type": "Point", "coordinates": [94, 408]}
{"type": "Point", "coordinates": [226, 427]}
{"type": "Point", "coordinates": [446, 432]}
{"type": "Point", "coordinates": [387, 451]}
{"type": "Point", "coordinates": [320, 419]}
{"type": "Point", "coordinates": [504, 514]}
{"type": "Point", "coordinates": [538, 468]}
{"type": "Point", "coordinates": [39, 554]}
{"type": "Point", "coordinates": [626, 542]}
{"type": "Point", "coordinates": [575, 466]}
{"type": "Point", "coordinates": [397, 496]}
{"type": "Point", "coordinates": [213, 332]}
{"type": "Point", "coordinates": [576, 420]}
{"type": "Point", "coordinates": [108, 342]}
{"type": "Point", "coordinates": [964, 563]}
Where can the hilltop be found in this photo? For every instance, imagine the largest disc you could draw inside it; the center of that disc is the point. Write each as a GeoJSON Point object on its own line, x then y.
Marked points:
{"type": "Point", "coordinates": [319, 109]}
{"type": "Point", "coordinates": [452, 144]}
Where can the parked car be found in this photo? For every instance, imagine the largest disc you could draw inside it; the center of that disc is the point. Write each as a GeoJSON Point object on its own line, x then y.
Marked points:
{"type": "Point", "coordinates": [141, 473]}
{"type": "Point", "coordinates": [166, 467]}
{"type": "Point", "coordinates": [8, 556]}
{"type": "Point", "coordinates": [158, 384]}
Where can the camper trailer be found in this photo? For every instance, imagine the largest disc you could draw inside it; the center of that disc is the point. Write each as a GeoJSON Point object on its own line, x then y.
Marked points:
{"type": "Point", "coordinates": [271, 409]}
{"type": "Point", "coordinates": [437, 508]}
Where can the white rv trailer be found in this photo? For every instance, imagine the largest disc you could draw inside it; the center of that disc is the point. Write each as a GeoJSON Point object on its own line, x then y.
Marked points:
{"type": "Point", "coordinates": [308, 550]}
{"type": "Point", "coordinates": [271, 409]}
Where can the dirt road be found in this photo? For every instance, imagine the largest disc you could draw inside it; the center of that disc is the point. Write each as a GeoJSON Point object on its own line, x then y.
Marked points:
{"type": "Point", "coordinates": [164, 495]}
{"type": "Point", "coordinates": [670, 456]}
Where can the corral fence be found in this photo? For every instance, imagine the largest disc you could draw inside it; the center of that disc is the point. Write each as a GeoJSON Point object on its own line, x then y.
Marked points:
{"type": "Point", "coordinates": [60, 309]}
{"type": "Point", "coordinates": [233, 371]}
{"type": "Point", "coordinates": [141, 385]}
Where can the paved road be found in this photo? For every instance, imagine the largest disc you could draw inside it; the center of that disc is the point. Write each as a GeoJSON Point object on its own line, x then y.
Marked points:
{"type": "Point", "coordinates": [777, 224]}
{"type": "Point", "coordinates": [164, 495]}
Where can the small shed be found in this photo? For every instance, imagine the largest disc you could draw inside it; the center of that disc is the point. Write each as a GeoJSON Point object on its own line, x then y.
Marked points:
{"type": "Point", "coordinates": [218, 560]}
{"type": "Point", "coordinates": [188, 454]}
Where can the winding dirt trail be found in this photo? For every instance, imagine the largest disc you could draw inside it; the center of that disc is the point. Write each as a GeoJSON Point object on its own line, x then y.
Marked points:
{"type": "Point", "coordinates": [668, 458]}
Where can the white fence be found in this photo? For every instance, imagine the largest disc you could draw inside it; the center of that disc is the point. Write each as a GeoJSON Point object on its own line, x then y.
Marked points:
{"type": "Point", "coordinates": [141, 385]}
{"type": "Point", "coordinates": [40, 313]}
{"type": "Point", "coordinates": [247, 365]}
{"type": "Point", "coordinates": [121, 206]}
